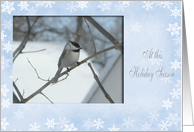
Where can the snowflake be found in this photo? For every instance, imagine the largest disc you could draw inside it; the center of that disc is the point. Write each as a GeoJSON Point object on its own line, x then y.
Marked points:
{"type": "Point", "coordinates": [125, 3]}
{"type": "Point", "coordinates": [175, 64]}
{"type": "Point", "coordinates": [175, 12]}
{"type": "Point", "coordinates": [38, 3]}
{"type": "Point", "coordinates": [104, 5]}
{"type": "Point", "coordinates": [23, 5]}
{"type": "Point", "coordinates": [148, 5]}
{"type": "Point", "coordinates": [146, 127]}
{"type": "Point", "coordinates": [158, 3]}
{"type": "Point", "coordinates": [98, 123]}
{"type": "Point", "coordinates": [34, 127]}
{"type": "Point", "coordinates": [3, 35]}
{"type": "Point", "coordinates": [5, 103]}
{"type": "Point", "coordinates": [63, 122]}
{"type": "Point", "coordinates": [4, 63]}
{"type": "Point", "coordinates": [155, 61]}
{"type": "Point", "coordinates": [128, 122]}
{"type": "Point", "coordinates": [177, 40]}
{"type": "Point", "coordinates": [70, 128]}
{"type": "Point", "coordinates": [19, 114]}
{"type": "Point", "coordinates": [7, 24]}
{"type": "Point", "coordinates": [135, 28]}
{"type": "Point", "coordinates": [173, 119]}
{"type": "Point", "coordinates": [166, 80]}
{"type": "Point", "coordinates": [176, 93]}
{"type": "Point", "coordinates": [4, 123]}
{"type": "Point", "coordinates": [174, 29]}
{"type": "Point", "coordinates": [8, 47]}
{"type": "Point", "coordinates": [50, 123]}
{"type": "Point", "coordinates": [164, 126]}
{"type": "Point", "coordinates": [16, 130]}
{"type": "Point", "coordinates": [166, 4]}
{"type": "Point", "coordinates": [178, 85]}
{"type": "Point", "coordinates": [82, 4]}
{"type": "Point", "coordinates": [31, 11]}
{"type": "Point", "coordinates": [167, 104]}
{"type": "Point", "coordinates": [71, 7]}
{"type": "Point", "coordinates": [88, 124]}
{"type": "Point", "coordinates": [153, 116]}
{"type": "Point", "coordinates": [178, 52]}
{"type": "Point", "coordinates": [49, 3]}
{"type": "Point", "coordinates": [4, 90]}
{"type": "Point", "coordinates": [7, 7]}
{"type": "Point", "coordinates": [113, 128]}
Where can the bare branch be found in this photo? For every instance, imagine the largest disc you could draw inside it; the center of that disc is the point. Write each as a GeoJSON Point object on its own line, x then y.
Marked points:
{"type": "Point", "coordinates": [18, 92]}
{"type": "Point", "coordinates": [91, 35]}
{"type": "Point", "coordinates": [100, 85]}
{"type": "Point", "coordinates": [46, 97]}
{"type": "Point", "coordinates": [32, 51]}
{"type": "Point", "coordinates": [36, 72]}
{"type": "Point", "coordinates": [104, 32]}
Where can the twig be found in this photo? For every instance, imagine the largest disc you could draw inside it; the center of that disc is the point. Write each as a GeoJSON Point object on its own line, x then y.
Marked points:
{"type": "Point", "coordinates": [46, 97]}
{"type": "Point", "coordinates": [100, 85]}
{"type": "Point", "coordinates": [23, 93]}
{"type": "Point", "coordinates": [63, 78]}
{"type": "Point", "coordinates": [65, 72]}
{"type": "Point", "coordinates": [104, 32]}
{"type": "Point", "coordinates": [16, 80]}
{"type": "Point", "coordinates": [91, 35]}
{"type": "Point", "coordinates": [32, 51]}
{"type": "Point", "coordinates": [18, 92]}
{"type": "Point", "coordinates": [36, 71]}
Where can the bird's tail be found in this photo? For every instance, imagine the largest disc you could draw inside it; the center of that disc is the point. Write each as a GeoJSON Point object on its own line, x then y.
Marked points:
{"type": "Point", "coordinates": [58, 72]}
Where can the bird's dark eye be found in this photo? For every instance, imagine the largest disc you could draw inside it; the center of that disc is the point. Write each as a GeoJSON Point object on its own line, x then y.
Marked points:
{"type": "Point", "coordinates": [75, 44]}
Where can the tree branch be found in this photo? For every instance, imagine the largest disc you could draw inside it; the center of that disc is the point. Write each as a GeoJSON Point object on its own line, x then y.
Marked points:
{"type": "Point", "coordinates": [46, 97]}
{"type": "Point", "coordinates": [104, 32]}
{"type": "Point", "coordinates": [33, 51]}
{"type": "Point", "coordinates": [100, 85]}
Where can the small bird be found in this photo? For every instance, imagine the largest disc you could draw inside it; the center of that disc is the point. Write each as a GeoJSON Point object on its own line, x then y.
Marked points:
{"type": "Point", "coordinates": [69, 57]}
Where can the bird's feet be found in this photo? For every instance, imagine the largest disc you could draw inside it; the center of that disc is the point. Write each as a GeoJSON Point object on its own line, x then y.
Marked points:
{"type": "Point", "coordinates": [78, 63]}
{"type": "Point", "coordinates": [68, 69]}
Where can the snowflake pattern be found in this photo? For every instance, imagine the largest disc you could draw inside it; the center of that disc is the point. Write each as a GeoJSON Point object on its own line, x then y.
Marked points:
{"type": "Point", "coordinates": [153, 116]}
{"type": "Point", "coordinates": [8, 47]}
{"type": "Point", "coordinates": [135, 28]}
{"type": "Point", "coordinates": [178, 52]}
{"type": "Point", "coordinates": [34, 127]}
{"type": "Point", "coordinates": [113, 128]}
{"type": "Point", "coordinates": [177, 39]}
{"type": "Point", "coordinates": [166, 4]}
{"type": "Point", "coordinates": [175, 12]}
{"type": "Point", "coordinates": [98, 123]}
{"type": "Point", "coordinates": [146, 127]}
{"type": "Point", "coordinates": [173, 29]}
{"type": "Point", "coordinates": [50, 123]}
{"type": "Point", "coordinates": [173, 119]}
{"type": "Point", "coordinates": [166, 80]}
{"type": "Point", "coordinates": [7, 7]}
{"type": "Point", "coordinates": [23, 5]}
{"type": "Point", "coordinates": [63, 122]}
{"type": "Point", "coordinates": [19, 114]}
{"type": "Point", "coordinates": [4, 63]}
{"type": "Point", "coordinates": [71, 6]}
{"type": "Point", "coordinates": [5, 103]}
{"type": "Point", "coordinates": [104, 5]}
{"type": "Point", "coordinates": [4, 90]}
{"type": "Point", "coordinates": [178, 85]}
{"type": "Point", "coordinates": [82, 4]}
{"type": "Point", "coordinates": [164, 126]}
{"type": "Point", "coordinates": [167, 104]}
{"type": "Point", "coordinates": [70, 128]}
{"type": "Point", "coordinates": [4, 123]}
{"type": "Point", "coordinates": [176, 65]}
{"type": "Point", "coordinates": [176, 93]}
{"type": "Point", "coordinates": [88, 124]}
{"type": "Point", "coordinates": [121, 5]}
{"type": "Point", "coordinates": [7, 24]}
{"type": "Point", "coordinates": [147, 5]}
{"type": "Point", "coordinates": [31, 11]}
{"type": "Point", "coordinates": [49, 3]}
{"type": "Point", "coordinates": [128, 122]}
{"type": "Point", "coordinates": [3, 35]}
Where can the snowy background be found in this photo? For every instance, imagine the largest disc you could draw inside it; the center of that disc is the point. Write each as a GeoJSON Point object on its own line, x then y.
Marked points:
{"type": "Point", "coordinates": [148, 105]}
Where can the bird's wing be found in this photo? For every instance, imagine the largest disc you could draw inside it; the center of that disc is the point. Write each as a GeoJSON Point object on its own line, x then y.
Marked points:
{"type": "Point", "coordinates": [62, 56]}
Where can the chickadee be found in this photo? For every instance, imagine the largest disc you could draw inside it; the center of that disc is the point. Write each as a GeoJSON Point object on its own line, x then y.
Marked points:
{"type": "Point", "coordinates": [69, 57]}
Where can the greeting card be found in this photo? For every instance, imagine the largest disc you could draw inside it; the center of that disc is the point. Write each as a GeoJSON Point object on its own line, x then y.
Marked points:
{"type": "Point", "coordinates": [118, 66]}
